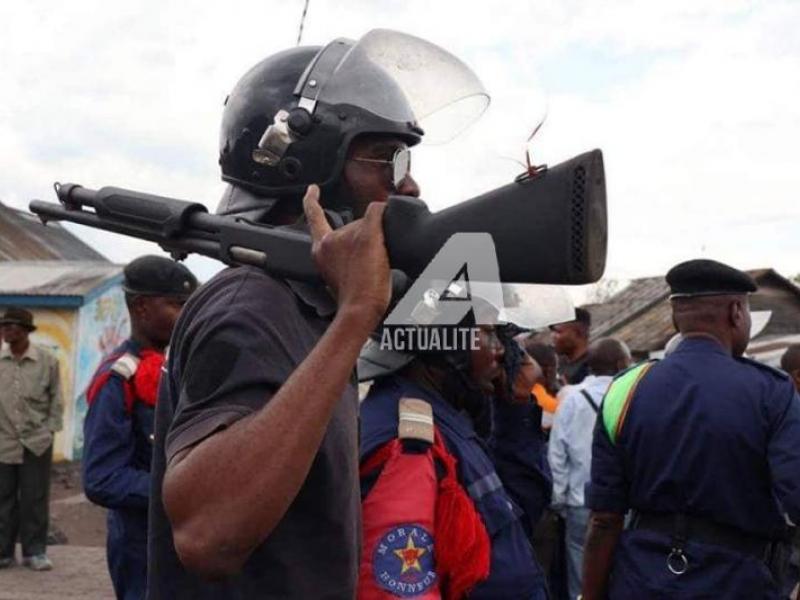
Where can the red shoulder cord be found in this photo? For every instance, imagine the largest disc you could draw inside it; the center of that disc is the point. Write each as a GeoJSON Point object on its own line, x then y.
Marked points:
{"type": "Point", "coordinates": [143, 386]}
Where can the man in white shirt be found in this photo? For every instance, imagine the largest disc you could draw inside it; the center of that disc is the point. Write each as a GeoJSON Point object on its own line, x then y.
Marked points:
{"type": "Point", "coordinates": [570, 448]}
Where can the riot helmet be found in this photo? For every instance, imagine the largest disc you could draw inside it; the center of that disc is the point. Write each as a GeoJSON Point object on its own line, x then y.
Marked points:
{"type": "Point", "coordinates": [290, 120]}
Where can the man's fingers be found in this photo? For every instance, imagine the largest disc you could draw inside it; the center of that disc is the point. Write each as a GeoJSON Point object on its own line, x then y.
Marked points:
{"type": "Point", "coordinates": [373, 216]}
{"type": "Point", "coordinates": [317, 223]}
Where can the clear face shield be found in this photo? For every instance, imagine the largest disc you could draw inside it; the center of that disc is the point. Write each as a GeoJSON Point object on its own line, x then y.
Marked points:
{"type": "Point", "coordinates": [397, 77]}
{"type": "Point", "coordinates": [528, 306]}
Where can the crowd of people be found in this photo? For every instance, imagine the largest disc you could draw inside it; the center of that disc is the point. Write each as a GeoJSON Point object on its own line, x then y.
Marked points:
{"type": "Point", "coordinates": [526, 465]}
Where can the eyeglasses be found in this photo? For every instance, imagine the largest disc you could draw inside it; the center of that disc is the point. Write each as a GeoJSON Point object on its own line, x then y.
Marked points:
{"type": "Point", "coordinates": [400, 161]}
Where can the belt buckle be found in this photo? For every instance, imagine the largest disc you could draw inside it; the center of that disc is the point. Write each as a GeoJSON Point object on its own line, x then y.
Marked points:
{"type": "Point", "coordinates": [677, 562]}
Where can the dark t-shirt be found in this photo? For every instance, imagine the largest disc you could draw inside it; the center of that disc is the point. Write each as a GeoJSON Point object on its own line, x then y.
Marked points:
{"type": "Point", "coordinates": [238, 339]}
{"type": "Point", "coordinates": [576, 371]}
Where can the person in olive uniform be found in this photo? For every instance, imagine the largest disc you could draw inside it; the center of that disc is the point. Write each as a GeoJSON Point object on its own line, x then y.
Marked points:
{"type": "Point", "coordinates": [704, 448]}
{"type": "Point", "coordinates": [30, 414]}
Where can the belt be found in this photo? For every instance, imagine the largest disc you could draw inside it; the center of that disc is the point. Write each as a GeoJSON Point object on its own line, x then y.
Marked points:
{"type": "Point", "coordinates": [683, 528]}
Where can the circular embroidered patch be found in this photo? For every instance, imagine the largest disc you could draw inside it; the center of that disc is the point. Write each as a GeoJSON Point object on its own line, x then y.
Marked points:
{"type": "Point", "coordinates": [403, 561]}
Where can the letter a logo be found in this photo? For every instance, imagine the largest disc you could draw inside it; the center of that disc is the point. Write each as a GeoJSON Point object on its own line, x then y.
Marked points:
{"type": "Point", "coordinates": [464, 270]}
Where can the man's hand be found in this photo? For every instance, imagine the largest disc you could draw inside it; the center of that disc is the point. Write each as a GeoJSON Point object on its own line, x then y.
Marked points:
{"type": "Point", "coordinates": [352, 259]}
{"type": "Point", "coordinates": [529, 373]}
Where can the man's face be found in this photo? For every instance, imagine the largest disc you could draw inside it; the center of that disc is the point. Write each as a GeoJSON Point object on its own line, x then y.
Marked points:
{"type": "Point", "coordinates": [566, 337]}
{"type": "Point", "coordinates": [156, 316]}
{"type": "Point", "coordinates": [364, 182]}
{"type": "Point", "coordinates": [485, 360]}
{"type": "Point", "coordinates": [14, 334]}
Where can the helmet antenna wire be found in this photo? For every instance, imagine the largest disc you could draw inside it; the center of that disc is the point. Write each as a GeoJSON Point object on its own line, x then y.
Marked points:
{"type": "Point", "coordinates": [302, 22]}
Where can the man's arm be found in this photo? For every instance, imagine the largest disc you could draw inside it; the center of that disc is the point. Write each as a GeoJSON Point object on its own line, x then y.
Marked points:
{"type": "Point", "coordinates": [390, 505]}
{"type": "Point", "coordinates": [110, 478]}
{"type": "Point", "coordinates": [598, 555]}
{"type": "Point", "coordinates": [783, 451]}
{"type": "Point", "coordinates": [56, 411]}
{"type": "Point", "coordinates": [226, 494]}
{"type": "Point", "coordinates": [607, 495]}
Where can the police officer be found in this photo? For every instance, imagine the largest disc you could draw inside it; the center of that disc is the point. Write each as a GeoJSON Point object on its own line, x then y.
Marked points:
{"type": "Point", "coordinates": [704, 448]}
{"type": "Point", "coordinates": [450, 479]}
{"type": "Point", "coordinates": [118, 430]}
{"type": "Point", "coordinates": [255, 490]}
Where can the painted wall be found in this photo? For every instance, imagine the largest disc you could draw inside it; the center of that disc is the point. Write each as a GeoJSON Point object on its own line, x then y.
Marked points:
{"type": "Point", "coordinates": [79, 338]}
{"type": "Point", "coordinates": [55, 330]}
{"type": "Point", "coordinates": [102, 325]}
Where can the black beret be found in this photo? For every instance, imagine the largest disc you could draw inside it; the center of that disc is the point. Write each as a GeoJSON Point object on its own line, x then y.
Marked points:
{"type": "Point", "coordinates": [703, 277]}
{"type": "Point", "coordinates": [158, 276]}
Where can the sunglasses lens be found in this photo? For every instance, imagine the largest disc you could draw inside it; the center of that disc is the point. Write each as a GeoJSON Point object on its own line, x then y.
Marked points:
{"type": "Point", "coordinates": [402, 165]}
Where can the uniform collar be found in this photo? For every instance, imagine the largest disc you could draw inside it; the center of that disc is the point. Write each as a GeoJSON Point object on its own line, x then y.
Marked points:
{"type": "Point", "coordinates": [693, 343]}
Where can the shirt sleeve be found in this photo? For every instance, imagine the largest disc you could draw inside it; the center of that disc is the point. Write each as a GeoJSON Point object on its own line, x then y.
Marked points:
{"type": "Point", "coordinates": [607, 490]}
{"type": "Point", "coordinates": [783, 450]}
{"type": "Point", "coordinates": [238, 354]}
{"type": "Point", "coordinates": [109, 477]}
{"type": "Point", "coordinates": [557, 453]}
{"type": "Point", "coordinates": [398, 516]}
{"type": "Point", "coordinates": [56, 409]}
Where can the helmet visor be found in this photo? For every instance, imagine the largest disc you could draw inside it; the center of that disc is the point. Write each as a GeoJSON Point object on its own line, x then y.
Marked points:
{"type": "Point", "coordinates": [402, 78]}
{"type": "Point", "coordinates": [528, 306]}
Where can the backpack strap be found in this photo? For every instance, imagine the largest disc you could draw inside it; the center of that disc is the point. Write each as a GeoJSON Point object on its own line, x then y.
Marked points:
{"type": "Point", "coordinates": [586, 395]}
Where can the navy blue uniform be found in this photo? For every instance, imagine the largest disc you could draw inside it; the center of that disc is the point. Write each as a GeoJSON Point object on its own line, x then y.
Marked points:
{"type": "Point", "coordinates": [117, 452]}
{"type": "Point", "coordinates": [514, 572]}
{"type": "Point", "coordinates": [712, 437]}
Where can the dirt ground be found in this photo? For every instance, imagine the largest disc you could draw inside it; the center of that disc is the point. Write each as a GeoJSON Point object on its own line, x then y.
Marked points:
{"type": "Point", "coordinates": [79, 558]}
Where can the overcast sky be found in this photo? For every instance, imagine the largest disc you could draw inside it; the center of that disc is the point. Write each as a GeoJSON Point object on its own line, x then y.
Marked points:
{"type": "Point", "coordinates": [693, 102]}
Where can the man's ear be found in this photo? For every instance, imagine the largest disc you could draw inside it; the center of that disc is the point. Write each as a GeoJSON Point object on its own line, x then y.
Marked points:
{"type": "Point", "coordinates": [736, 311]}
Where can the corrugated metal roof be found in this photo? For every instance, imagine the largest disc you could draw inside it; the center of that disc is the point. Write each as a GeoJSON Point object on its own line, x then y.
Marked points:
{"type": "Point", "coordinates": [23, 237]}
{"type": "Point", "coordinates": [54, 278]}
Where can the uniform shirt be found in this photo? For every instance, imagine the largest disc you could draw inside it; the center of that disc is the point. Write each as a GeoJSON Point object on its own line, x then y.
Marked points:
{"type": "Point", "coordinates": [710, 436]}
{"type": "Point", "coordinates": [238, 338]}
{"type": "Point", "coordinates": [30, 403]}
{"type": "Point", "coordinates": [514, 572]}
{"type": "Point", "coordinates": [570, 447]}
{"type": "Point", "coordinates": [117, 449]}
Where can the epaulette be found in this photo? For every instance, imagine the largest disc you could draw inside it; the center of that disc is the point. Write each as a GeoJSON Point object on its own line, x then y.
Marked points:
{"type": "Point", "coordinates": [415, 420]}
{"type": "Point", "coordinates": [765, 367]}
{"type": "Point", "coordinates": [126, 365]}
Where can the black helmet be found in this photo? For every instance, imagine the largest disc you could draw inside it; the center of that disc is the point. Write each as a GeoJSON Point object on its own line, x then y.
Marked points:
{"type": "Point", "coordinates": [263, 117]}
{"type": "Point", "coordinates": [290, 120]}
